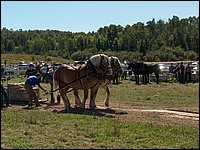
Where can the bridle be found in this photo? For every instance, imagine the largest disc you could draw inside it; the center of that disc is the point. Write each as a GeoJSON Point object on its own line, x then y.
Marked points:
{"type": "Point", "coordinates": [102, 69]}
{"type": "Point", "coordinates": [114, 66]}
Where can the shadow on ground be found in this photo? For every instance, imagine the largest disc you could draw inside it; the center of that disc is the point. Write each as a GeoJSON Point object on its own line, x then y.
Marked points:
{"type": "Point", "coordinates": [110, 113]}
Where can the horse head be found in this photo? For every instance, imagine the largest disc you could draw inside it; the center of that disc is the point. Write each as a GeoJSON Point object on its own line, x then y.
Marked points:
{"type": "Point", "coordinates": [102, 64]}
{"type": "Point", "coordinates": [131, 65]}
{"type": "Point", "coordinates": [115, 63]}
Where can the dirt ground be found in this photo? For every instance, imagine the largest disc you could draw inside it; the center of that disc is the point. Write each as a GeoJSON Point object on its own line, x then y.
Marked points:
{"type": "Point", "coordinates": [124, 112]}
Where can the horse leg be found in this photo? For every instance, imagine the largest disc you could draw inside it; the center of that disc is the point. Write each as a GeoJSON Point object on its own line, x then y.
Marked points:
{"type": "Point", "coordinates": [148, 81]}
{"type": "Point", "coordinates": [157, 78]}
{"type": "Point", "coordinates": [137, 79]}
{"type": "Point", "coordinates": [92, 97]}
{"type": "Point", "coordinates": [65, 98]}
{"type": "Point", "coordinates": [143, 79]}
{"type": "Point", "coordinates": [77, 99]}
{"type": "Point", "coordinates": [106, 101]}
{"type": "Point", "coordinates": [85, 98]}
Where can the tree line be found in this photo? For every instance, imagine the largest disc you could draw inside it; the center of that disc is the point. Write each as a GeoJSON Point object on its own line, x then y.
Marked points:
{"type": "Point", "coordinates": [176, 39]}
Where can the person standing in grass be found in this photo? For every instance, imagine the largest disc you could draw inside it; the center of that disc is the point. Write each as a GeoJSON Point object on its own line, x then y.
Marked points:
{"type": "Point", "coordinates": [30, 71]}
{"type": "Point", "coordinates": [44, 71]}
{"type": "Point", "coordinates": [4, 94]}
{"type": "Point", "coordinates": [50, 80]}
{"type": "Point", "coordinates": [177, 72]}
{"type": "Point", "coordinates": [182, 73]}
{"type": "Point", "coordinates": [171, 68]}
{"type": "Point", "coordinates": [29, 84]}
{"type": "Point", "coordinates": [188, 73]}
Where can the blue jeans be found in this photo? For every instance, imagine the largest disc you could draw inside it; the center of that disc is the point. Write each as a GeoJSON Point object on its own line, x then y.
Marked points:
{"type": "Point", "coordinates": [5, 94]}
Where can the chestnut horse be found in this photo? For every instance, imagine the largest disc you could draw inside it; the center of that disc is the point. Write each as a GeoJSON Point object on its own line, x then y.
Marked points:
{"type": "Point", "coordinates": [86, 76]}
{"type": "Point", "coordinates": [104, 82]}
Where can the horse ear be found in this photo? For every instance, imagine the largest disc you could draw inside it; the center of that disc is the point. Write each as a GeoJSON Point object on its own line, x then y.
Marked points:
{"type": "Point", "coordinates": [112, 59]}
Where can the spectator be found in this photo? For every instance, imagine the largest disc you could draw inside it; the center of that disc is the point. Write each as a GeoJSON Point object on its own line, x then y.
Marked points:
{"type": "Point", "coordinates": [4, 96]}
{"type": "Point", "coordinates": [30, 71]}
{"type": "Point", "coordinates": [115, 77]}
{"type": "Point", "coordinates": [125, 68]}
{"type": "Point", "coordinates": [2, 70]}
{"type": "Point", "coordinates": [130, 72]}
{"type": "Point", "coordinates": [182, 73]}
{"type": "Point", "coordinates": [30, 82]}
{"type": "Point", "coordinates": [4, 93]}
{"type": "Point", "coordinates": [38, 67]}
{"type": "Point", "coordinates": [188, 73]}
{"type": "Point", "coordinates": [171, 71]}
{"type": "Point", "coordinates": [177, 72]}
{"type": "Point", "coordinates": [50, 80]}
{"type": "Point", "coordinates": [171, 68]}
{"type": "Point", "coordinates": [44, 71]}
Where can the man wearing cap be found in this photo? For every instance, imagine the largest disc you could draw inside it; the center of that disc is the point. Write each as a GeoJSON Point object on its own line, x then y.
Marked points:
{"type": "Point", "coordinates": [30, 71]}
{"type": "Point", "coordinates": [29, 84]}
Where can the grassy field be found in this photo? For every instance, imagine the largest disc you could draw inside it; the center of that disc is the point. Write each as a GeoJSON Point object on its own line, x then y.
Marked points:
{"type": "Point", "coordinates": [39, 128]}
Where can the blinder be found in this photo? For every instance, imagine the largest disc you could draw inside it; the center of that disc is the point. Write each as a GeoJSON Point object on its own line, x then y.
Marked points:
{"type": "Point", "coordinates": [114, 66]}
{"type": "Point", "coordinates": [102, 70]}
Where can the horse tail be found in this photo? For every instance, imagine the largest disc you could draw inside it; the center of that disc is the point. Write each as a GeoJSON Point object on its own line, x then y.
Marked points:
{"type": "Point", "coordinates": [55, 83]}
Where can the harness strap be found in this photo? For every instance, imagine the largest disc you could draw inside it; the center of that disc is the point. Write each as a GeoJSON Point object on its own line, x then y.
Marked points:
{"type": "Point", "coordinates": [66, 84]}
{"type": "Point", "coordinates": [78, 71]}
{"type": "Point", "coordinates": [106, 82]}
{"type": "Point", "coordinates": [59, 79]}
{"type": "Point", "coordinates": [95, 84]}
{"type": "Point", "coordinates": [89, 71]}
{"type": "Point", "coordinates": [79, 76]}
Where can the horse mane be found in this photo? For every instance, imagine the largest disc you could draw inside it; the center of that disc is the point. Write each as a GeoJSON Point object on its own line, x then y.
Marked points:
{"type": "Point", "coordinates": [96, 59]}
{"type": "Point", "coordinates": [79, 62]}
{"type": "Point", "coordinates": [116, 60]}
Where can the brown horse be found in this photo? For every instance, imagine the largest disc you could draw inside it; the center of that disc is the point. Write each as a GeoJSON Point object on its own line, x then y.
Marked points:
{"type": "Point", "coordinates": [86, 76]}
{"type": "Point", "coordinates": [104, 82]}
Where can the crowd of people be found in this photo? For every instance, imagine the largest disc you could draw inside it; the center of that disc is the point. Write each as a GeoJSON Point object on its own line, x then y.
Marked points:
{"type": "Point", "coordinates": [181, 73]}
{"type": "Point", "coordinates": [34, 76]}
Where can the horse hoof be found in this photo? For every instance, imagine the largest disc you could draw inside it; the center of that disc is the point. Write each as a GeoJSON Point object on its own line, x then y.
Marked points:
{"type": "Point", "coordinates": [107, 104]}
{"type": "Point", "coordinates": [82, 106]}
{"type": "Point", "coordinates": [76, 105]}
{"type": "Point", "coordinates": [92, 108]}
{"type": "Point", "coordinates": [67, 108]}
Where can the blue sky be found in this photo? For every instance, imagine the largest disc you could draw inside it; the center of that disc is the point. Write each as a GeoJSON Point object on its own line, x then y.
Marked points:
{"type": "Point", "coordinates": [85, 16]}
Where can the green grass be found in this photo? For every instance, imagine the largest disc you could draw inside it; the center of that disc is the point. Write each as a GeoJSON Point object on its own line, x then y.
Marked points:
{"type": "Point", "coordinates": [44, 129]}
{"type": "Point", "coordinates": [34, 129]}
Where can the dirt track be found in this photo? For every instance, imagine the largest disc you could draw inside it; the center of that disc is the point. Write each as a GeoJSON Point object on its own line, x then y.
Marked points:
{"type": "Point", "coordinates": [173, 113]}
{"type": "Point", "coordinates": [129, 113]}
